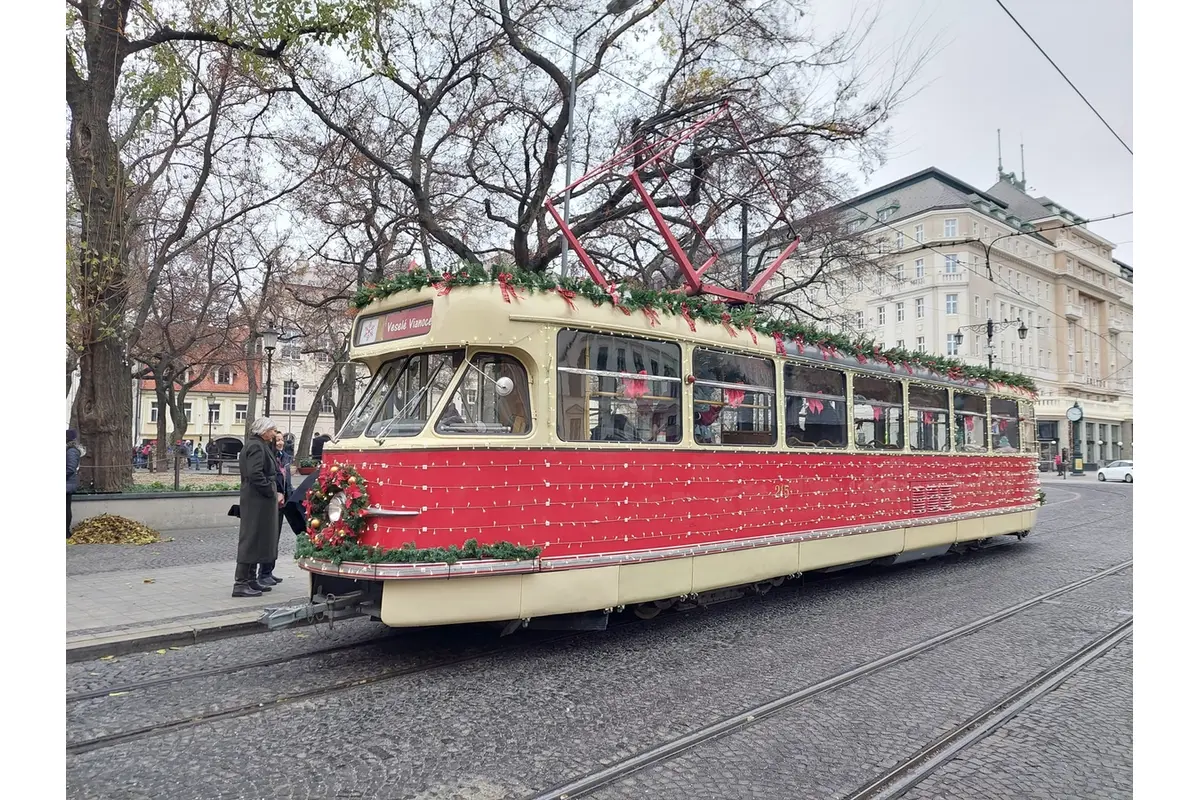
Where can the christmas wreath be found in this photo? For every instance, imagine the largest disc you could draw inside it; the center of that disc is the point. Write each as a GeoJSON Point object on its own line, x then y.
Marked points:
{"type": "Point", "coordinates": [336, 506]}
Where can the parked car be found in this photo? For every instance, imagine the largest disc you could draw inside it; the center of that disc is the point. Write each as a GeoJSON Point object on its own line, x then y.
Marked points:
{"type": "Point", "coordinates": [1116, 471]}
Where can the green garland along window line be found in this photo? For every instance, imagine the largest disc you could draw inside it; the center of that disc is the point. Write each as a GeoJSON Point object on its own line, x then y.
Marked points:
{"type": "Point", "coordinates": [640, 298]}
{"type": "Point", "coordinates": [409, 553]}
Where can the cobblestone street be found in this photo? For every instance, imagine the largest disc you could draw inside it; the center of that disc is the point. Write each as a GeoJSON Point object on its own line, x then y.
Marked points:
{"type": "Point", "coordinates": [459, 713]}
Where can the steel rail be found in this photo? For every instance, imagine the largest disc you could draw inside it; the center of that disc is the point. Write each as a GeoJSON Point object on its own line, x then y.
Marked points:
{"type": "Point", "coordinates": [904, 776]}
{"type": "Point", "coordinates": [724, 727]}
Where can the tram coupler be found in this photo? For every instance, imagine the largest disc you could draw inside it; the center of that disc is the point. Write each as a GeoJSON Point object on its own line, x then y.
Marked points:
{"type": "Point", "coordinates": [327, 608]}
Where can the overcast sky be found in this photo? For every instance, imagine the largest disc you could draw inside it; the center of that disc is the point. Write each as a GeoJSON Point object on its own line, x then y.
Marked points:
{"type": "Point", "coordinates": [986, 75]}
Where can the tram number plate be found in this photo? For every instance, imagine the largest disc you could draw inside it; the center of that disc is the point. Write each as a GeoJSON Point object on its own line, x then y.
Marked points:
{"type": "Point", "coordinates": [402, 324]}
{"type": "Point", "coordinates": [782, 490]}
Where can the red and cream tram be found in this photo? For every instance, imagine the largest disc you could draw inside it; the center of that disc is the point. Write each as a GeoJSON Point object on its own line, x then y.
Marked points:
{"type": "Point", "coordinates": [635, 459]}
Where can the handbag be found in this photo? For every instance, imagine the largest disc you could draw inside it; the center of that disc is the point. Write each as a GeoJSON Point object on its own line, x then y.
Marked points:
{"type": "Point", "coordinates": [235, 510]}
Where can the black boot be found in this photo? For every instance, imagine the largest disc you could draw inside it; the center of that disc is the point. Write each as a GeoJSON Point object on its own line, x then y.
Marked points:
{"type": "Point", "coordinates": [243, 582]}
{"type": "Point", "coordinates": [266, 575]}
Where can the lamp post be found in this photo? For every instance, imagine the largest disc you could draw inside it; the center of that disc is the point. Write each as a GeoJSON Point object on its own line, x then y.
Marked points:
{"type": "Point", "coordinates": [211, 401]}
{"type": "Point", "coordinates": [992, 328]}
{"type": "Point", "coordinates": [1120, 449]}
{"type": "Point", "coordinates": [1075, 417]}
{"type": "Point", "coordinates": [270, 338]}
{"type": "Point", "coordinates": [614, 7]}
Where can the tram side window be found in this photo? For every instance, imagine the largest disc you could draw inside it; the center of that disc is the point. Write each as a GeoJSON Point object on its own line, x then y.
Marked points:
{"type": "Point", "coordinates": [485, 403]}
{"type": "Point", "coordinates": [816, 406]}
{"type": "Point", "coordinates": [389, 390]}
{"type": "Point", "coordinates": [618, 389]}
{"type": "Point", "coordinates": [1006, 426]}
{"type": "Point", "coordinates": [970, 423]}
{"type": "Point", "coordinates": [1029, 443]}
{"type": "Point", "coordinates": [928, 418]}
{"type": "Point", "coordinates": [418, 386]}
{"type": "Point", "coordinates": [733, 399]}
{"type": "Point", "coordinates": [878, 413]}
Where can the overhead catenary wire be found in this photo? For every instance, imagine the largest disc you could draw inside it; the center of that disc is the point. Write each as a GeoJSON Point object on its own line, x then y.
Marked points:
{"type": "Point", "coordinates": [1057, 69]}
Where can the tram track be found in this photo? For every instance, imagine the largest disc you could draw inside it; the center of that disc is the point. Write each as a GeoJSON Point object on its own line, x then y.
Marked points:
{"type": "Point", "coordinates": [923, 763]}
{"type": "Point", "coordinates": [586, 785]}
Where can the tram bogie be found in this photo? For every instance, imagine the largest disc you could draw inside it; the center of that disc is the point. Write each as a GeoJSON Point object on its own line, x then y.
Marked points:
{"type": "Point", "coordinates": [578, 459]}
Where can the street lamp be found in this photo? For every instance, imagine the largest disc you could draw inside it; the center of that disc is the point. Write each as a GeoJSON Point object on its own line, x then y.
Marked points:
{"type": "Point", "coordinates": [211, 401]}
{"type": "Point", "coordinates": [1075, 417]}
{"type": "Point", "coordinates": [992, 328]}
{"type": "Point", "coordinates": [270, 339]}
{"type": "Point", "coordinates": [614, 7]}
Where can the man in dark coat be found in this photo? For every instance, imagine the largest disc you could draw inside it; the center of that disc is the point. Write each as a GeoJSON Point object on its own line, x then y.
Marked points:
{"type": "Point", "coordinates": [72, 472]}
{"type": "Point", "coordinates": [259, 503]}
{"type": "Point", "coordinates": [283, 485]}
{"type": "Point", "coordinates": [318, 445]}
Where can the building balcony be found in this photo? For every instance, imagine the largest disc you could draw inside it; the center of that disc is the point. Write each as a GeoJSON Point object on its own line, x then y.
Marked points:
{"type": "Point", "coordinates": [1073, 311]}
{"type": "Point", "coordinates": [1118, 326]}
{"type": "Point", "coordinates": [952, 277]}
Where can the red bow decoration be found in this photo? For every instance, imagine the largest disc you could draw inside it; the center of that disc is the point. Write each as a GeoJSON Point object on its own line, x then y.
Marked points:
{"type": "Point", "coordinates": [507, 290]}
{"type": "Point", "coordinates": [634, 388]}
{"type": "Point", "coordinates": [908, 367]}
{"type": "Point", "coordinates": [725, 320]}
{"type": "Point", "coordinates": [1003, 424]}
{"type": "Point", "coordinates": [779, 343]}
{"type": "Point", "coordinates": [753, 335]}
{"type": "Point", "coordinates": [815, 405]}
{"type": "Point", "coordinates": [412, 264]}
{"type": "Point", "coordinates": [799, 340]}
{"type": "Point", "coordinates": [969, 423]}
{"type": "Point", "coordinates": [861, 358]}
{"type": "Point", "coordinates": [652, 316]}
{"type": "Point", "coordinates": [928, 417]}
{"type": "Point", "coordinates": [569, 296]}
{"type": "Point", "coordinates": [615, 295]}
{"type": "Point", "coordinates": [734, 397]}
{"type": "Point", "coordinates": [445, 286]}
{"type": "Point", "coordinates": [688, 318]}
{"type": "Point", "coordinates": [827, 352]}
{"type": "Point", "coordinates": [877, 411]}
{"type": "Point", "coordinates": [710, 416]}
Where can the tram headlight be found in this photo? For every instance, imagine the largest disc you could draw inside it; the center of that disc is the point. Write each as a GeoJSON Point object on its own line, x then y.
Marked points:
{"type": "Point", "coordinates": [337, 505]}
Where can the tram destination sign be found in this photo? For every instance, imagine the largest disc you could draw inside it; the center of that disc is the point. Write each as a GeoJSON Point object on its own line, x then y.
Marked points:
{"type": "Point", "coordinates": [402, 324]}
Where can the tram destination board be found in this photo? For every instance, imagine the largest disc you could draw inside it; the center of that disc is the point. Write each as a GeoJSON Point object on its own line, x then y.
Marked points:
{"type": "Point", "coordinates": [402, 324]}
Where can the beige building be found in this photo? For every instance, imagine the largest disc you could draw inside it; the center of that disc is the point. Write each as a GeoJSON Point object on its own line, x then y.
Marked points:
{"type": "Point", "coordinates": [939, 239]}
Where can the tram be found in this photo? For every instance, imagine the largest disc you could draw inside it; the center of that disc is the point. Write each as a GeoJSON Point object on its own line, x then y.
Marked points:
{"type": "Point", "coordinates": [524, 455]}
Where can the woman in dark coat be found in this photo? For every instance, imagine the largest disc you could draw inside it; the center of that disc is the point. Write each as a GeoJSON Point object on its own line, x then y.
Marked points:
{"type": "Point", "coordinates": [283, 485]}
{"type": "Point", "coordinates": [258, 534]}
{"type": "Point", "coordinates": [72, 473]}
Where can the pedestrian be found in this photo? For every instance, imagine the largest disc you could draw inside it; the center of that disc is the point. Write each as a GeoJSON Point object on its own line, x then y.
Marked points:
{"type": "Point", "coordinates": [1058, 464]}
{"type": "Point", "coordinates": [318, 445]}
{"type": "Point", "coordinates": [258, 509]}
{"type": "Point", "coordinates": [283, 485]}
{"type": "Point", "coordinates": [72, 472]}
{"type": "Point", "coordinates": [210, 450]}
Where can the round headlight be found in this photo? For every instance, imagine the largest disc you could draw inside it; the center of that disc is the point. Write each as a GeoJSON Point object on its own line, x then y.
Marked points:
{"type": "Point", "coordinates": [337, 505]}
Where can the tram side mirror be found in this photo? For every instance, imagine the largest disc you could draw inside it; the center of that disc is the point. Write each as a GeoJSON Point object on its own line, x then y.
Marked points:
{"type": "Point", "coordinates": [504, 386]}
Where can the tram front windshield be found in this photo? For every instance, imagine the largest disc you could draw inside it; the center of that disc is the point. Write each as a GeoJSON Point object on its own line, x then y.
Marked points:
{"type": "Point", "coordinates": [402, 395]}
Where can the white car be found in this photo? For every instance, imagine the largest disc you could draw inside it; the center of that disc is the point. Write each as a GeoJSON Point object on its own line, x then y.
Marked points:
{"type": "Point", "coordinates": [1116, 471]}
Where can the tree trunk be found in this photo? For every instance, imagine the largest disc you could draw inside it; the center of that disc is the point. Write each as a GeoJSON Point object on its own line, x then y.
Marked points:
{"type": "Point", "coordinates": [251, 389]}
{"type": "Point", "coordinates": [346, 383]}
{"type": "Point", "coordinates": [158, 457]}
{"type": "Point", "coordinates": [314, 411]}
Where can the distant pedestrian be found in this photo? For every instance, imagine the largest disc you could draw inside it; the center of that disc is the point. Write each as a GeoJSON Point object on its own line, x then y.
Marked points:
{"type": "Point", "coordinates": [1058, 464]}
{"type": "Point", "coordinates": [318, 445]}
{"type": "Point", "coordinates": [210, 450]}
{"type": "Point", "coordinates": [283, 485]}
{"type": "Point", "coordinates": [259, 504]}
{"type": "Point", "coordinates": [72, 472]}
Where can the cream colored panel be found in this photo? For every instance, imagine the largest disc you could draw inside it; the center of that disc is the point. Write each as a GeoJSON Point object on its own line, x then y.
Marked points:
{"type": "Point", "coordinates": [838, 550]}
{"type": "Point", "coordinates": [970, 529]}
{"type": "Point", "coordinates": [569, 591]}
{"type": "Point", "coordinates": [1004, 523]}
{"type": "Point", "coordinates": [656, 580]}
{"type": "Point", "coordinates": [1031, 520]}
{"type": "Point", "coordinates": [450, 601]}
{"type": "Point", "coordinates": [929, 535]}
{"type": "Point", "coordinates": [744, 566]}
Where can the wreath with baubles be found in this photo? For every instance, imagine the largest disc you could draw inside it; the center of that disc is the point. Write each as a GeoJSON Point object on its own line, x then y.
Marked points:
{"type": "Point", "coordinates": [336, 506]}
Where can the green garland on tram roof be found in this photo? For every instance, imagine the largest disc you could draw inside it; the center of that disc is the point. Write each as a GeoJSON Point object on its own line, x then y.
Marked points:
{"type": "Point", "coordinates": [409, 553]}
{"type": "Point", "coordinates": [632, 297]}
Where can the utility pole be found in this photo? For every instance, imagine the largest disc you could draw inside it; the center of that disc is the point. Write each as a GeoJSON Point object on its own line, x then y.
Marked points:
{"type": "Point", "coordinates": [745, 247]}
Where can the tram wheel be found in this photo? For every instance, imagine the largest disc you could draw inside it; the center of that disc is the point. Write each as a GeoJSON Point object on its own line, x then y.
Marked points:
{"type": "Point", "coordinates": [647, 610]}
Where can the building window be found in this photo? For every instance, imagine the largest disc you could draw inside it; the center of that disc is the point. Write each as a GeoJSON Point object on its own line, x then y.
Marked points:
{"type": "Point", "coordinates": [952, 304]}
{"type": "Point", "coordinates": [239, 412]}
{"type": "Point", "coordinates": [919, 233]}
{"type": "Point", "coordinates": [289, 351]}
{"type": "Point", "coordinates": [1003, 315]}
{"type": "Point", "coordinates": [1012, 353]}
{"type": "Point", "coordinates": [859, 283]}
{"type": "Point", "coordinates": [978, 350]}
{"type": "Point", "coordinates": [899, 240]}
{"type": "Point", "coordinates": [975, 302]}
{"type": "Point", "coordinates": [950, 229]}
{"type": "Point", "coordinates": [899, 344]}
{"type": "Point", "coordinates": [289, 395]}
{"type": "Point", "coordinates": [187, 412]}
{"type": "Point", "coordinates": [920, 303]}
{"type": "Point", "coordinates": [919, 268]}
{"type": "Point", "coordinates": [920, 344]}
{"type": "Point", "coordinates": [951, 345]}
{"type": "Point", "coordinates": [214, 413]}
{"type": "Point", "coordinates": [900, 311]}
{"type": "Point", "coordinates": [153, 411]}
{"type": "Point", "coordinates": [223, 376]}
{"type": "Point", "coordinates": [859, 322]}
{"type": "Point", "coordinates": [327, 403]}
{"type": "Point", "coordinates": [882, 314]}
{"type": "Point", "coordinates": [733, 399]}
{"type": "Point", "coordinates": [951, 265]}
{"type": "Point", "coordinates": [1041, 358]}
{"type": "Point", "coordinates": [974, 228]}
{"type": "Point", "coordinates": [987, 307]}
{"type": "Point", "coordinates": [900, 272]}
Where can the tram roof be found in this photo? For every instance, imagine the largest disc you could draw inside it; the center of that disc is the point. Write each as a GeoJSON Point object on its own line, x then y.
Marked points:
{"type": "Point", "coordinates": [480, 315]}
